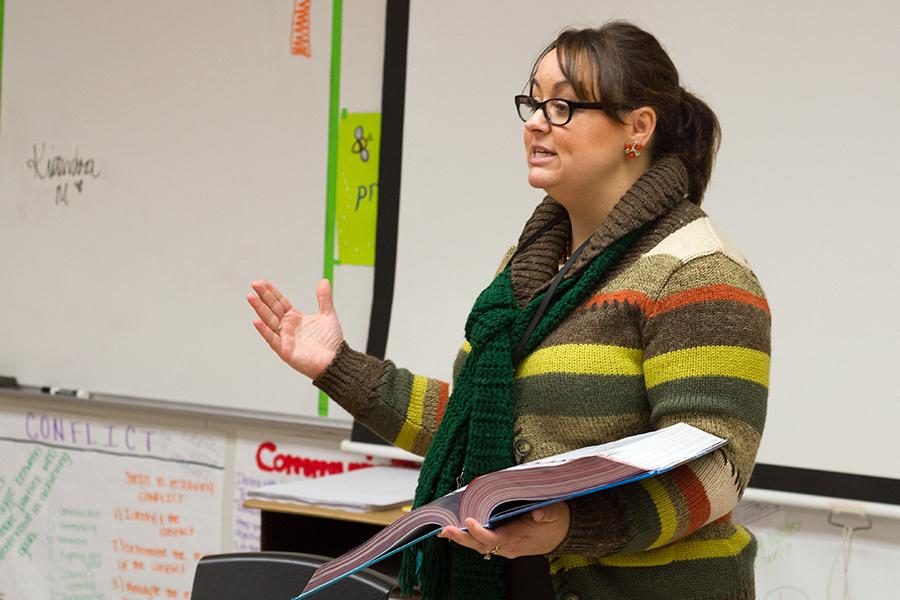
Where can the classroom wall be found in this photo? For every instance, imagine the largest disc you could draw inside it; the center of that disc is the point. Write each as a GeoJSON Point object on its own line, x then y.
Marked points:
{"type": "Point", "coordinates": [85, 487]}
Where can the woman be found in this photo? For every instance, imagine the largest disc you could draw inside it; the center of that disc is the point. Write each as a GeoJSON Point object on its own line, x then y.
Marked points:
{"type": "Point", "coordinates": [622, 310]}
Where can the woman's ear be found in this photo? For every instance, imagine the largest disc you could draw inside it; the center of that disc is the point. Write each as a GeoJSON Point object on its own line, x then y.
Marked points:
{"type": "Point", "coordinates": [642, 123]}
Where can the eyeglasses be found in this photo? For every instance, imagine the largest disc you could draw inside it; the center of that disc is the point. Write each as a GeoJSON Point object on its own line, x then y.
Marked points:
{"type": "Point", "coordinates": [556, 110]}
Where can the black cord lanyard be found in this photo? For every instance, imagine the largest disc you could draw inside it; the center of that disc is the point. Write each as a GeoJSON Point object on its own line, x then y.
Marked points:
{"type": "Point", "coordinates": [548, 295]}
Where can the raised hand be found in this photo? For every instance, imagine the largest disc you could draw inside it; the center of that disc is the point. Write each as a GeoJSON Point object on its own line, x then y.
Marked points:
{"type": "Point", "coordinates": [308, 343]}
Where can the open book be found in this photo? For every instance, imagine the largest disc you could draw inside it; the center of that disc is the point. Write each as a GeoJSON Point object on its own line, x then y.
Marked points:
{"type": "Point", "coordinates": [496, 496]}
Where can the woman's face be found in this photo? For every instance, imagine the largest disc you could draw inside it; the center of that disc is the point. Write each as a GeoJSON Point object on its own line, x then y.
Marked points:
{"type": "Point", "coordinates": [576, 162]}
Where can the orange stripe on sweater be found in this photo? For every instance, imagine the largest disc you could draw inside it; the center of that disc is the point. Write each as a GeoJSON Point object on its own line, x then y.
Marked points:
{"type": "Point", "coordinates": [695, 495]}
{"type": "Point", "coordinates": [710, 293]}
{"type": "Point", "coordinates": [443, 395]}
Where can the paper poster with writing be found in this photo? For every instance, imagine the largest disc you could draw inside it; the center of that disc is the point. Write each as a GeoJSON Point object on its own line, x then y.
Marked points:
{"type": "Point", "coordinates": [266, 460]}
{"type": "Point", "coordinates": [356, 200]}
{"type": "Point", "coordinates": [99, 509]}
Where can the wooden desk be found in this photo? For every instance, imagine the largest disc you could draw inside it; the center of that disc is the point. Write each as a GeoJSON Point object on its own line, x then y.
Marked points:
{"type": "Point", "coordinates": [290, 527]}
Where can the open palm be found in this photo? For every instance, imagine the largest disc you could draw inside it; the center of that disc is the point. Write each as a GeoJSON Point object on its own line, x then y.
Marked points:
{"type": "Point", "coordinates": [308, 343]}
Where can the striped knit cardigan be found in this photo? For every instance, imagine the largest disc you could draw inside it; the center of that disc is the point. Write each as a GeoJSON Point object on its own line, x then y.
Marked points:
{"type": "Point", "coordinates": [677, 331]}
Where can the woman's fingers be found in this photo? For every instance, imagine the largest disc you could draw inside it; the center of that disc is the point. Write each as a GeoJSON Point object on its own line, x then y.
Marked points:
{"type": "Point", "coordinates": [282, 302]}
{"type": "Point", "coordinates": [273, 299]}
{"type": "Point", "coordinates": [324, 297]}
{"type": "Point", "coordinates": [477, 538]}
{"type": "Point", "coordinates": [270, 336]}
{"type": "Point", "coordinates": [487, 538]}
{"type": "Point", "coordinates": [460, 537]}
{"type": "Point", "coordinates": [308, 343]}
{"type": "Point", "coordinates": [539, 532]}
{"type": "Point", "coordinates": [271, 305]}
{"type": "Point", "coordinates": [266, 316]}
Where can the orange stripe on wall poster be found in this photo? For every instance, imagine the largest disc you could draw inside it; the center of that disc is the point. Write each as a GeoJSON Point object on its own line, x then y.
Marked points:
{"type": "Point", "coordinates": [300, 40]}
{"type": "Point", "coordinates": [708, 294]}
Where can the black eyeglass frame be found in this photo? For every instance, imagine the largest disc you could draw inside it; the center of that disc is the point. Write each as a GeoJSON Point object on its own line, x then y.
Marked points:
{"type": "Point", "coordinates": [542, 106]}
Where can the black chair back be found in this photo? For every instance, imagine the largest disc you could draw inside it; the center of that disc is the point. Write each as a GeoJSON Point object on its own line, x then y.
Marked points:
{"type": "Point", "coordinates": [278, 576]}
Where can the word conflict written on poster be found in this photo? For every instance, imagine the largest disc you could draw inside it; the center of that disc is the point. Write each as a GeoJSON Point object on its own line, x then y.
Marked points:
{"type": "Point", "coordinates": [97, 509]}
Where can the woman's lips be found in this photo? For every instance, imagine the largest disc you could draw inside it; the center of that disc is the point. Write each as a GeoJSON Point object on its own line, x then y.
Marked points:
{"type": "Point", "coordinates": [540, 155]}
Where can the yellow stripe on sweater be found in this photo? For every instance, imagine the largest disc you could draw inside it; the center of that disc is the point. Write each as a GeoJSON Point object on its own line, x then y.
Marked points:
{"type": "Point", "coordinates": [705, 361]}
{"type": "Point", "coordinates": [679, 551]}
{"type": "Point", "coordinates": [665, 508]}
{"type": "Point", "coordinates": [582, 359]}
{"type": "Point", "coordinates": [686, 550]}
{"type": "Point", "coordinates": [414, 412]}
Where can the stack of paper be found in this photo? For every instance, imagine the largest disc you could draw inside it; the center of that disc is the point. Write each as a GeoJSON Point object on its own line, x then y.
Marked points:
{"type": "Point", "coordinates": [360, 490]}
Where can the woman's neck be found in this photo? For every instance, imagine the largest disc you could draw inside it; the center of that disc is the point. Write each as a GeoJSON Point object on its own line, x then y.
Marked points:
{"type": "Point", "coordinates": [588, 211]}
{"type": "Point", "coordinates": [584, 224]}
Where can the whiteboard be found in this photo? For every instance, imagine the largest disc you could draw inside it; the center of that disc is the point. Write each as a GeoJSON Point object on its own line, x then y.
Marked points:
{"type": "Point", "coordinates": [805, 183]}
{"type": "Point", "coordinates": [194, 145]}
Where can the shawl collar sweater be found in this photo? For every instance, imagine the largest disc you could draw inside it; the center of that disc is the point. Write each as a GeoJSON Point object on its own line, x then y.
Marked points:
{"type": "Point", "coordinates": [677, 330]}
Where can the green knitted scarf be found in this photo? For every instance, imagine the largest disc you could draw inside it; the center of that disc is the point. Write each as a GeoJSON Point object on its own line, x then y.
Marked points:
{"type": "Point", "coordinates": [476, 434]}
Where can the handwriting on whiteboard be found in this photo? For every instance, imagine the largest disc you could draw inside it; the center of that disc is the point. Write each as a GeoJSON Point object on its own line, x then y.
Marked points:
{"type": "Point", "coordinates": [55, 429]}
{"type": "Point", "coordinates": [47, 165]}
{"type": "Point", "coordinates": [300, 38]}
{"type": "Point", "coordinates": [24, 497]}
{"type": "Point", "coordinates": [776, 544]}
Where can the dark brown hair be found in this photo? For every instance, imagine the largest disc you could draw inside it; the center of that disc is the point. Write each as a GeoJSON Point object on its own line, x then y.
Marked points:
{"type": "Point", "coordinates": [624, 66]}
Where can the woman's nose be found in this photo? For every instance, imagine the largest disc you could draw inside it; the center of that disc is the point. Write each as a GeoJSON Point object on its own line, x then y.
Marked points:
{"type": "Point", "coordinates": [537, 122]}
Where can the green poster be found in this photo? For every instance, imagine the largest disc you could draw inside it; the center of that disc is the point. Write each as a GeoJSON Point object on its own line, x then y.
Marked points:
{"type": "Point", "coordinates": [356, 201]}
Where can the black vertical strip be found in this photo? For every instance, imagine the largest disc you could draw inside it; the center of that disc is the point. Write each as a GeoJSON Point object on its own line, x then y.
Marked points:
{"type": "Point", "coordinates": [393, 97]}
